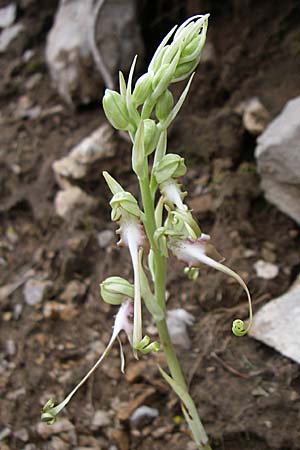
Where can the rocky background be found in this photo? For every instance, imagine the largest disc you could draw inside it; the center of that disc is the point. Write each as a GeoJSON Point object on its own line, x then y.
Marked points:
{"type": "Point", "coordinates": [240, 135]}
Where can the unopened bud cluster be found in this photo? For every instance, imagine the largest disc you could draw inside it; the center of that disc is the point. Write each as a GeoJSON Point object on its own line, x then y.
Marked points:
{"type": "Point", "coordinates": [151, 99]}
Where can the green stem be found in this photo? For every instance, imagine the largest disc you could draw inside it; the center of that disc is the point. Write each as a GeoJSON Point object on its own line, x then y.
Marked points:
{"type": "Point", "coordinates": [160, 289]}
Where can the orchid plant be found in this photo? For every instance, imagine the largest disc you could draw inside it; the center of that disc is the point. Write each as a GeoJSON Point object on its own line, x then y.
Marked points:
{"type": "Point", "coordinates": [163, 223]}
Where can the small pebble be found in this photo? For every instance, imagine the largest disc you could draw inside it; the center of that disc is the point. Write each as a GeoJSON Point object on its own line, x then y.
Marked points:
{"type": "Point", "coordinates": [178, 320]}
{"type": "Point", "coordinates": [266, 270]}
{"type": "Point", "coordinates": [61, 426]}
{"type": "Point", "coordinates": [35, 291]}
{"type": "Point", "coordinates": [100, 419]}
{"type": "Point", "coordinates": [104, 238]}
{"type": "Point", "coordinates": [5, 433]}
{"type": "Point", "coordinates": [143, 415]}
{"type": "Point", "coordinates": [10, 347]}
{"type": "Point", "coordinates": [22, 435]}
{"type": "Point", "coordinates": [18, 308]}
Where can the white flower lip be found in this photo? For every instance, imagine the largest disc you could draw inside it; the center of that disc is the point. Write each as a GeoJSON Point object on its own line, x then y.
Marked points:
{"type": "Point", "coordinates": [122, 322]}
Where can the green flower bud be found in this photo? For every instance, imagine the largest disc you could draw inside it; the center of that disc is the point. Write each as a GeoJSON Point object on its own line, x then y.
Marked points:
{"type": "Point", "coordinates": [164, 76]}
{"type": "Point", "coordinates": [190, 51]}
{"type": "Point", "coordinates": [151, 135]}
{"type": "Point", "coordinates": [143, 89]}
{"type": "Point", "coordinates": [170, 166]}
{"type": "Point", "coordinates": [192, 34]}
{"type": "Point", "coordinates": [113, 290]}
{"type": "Point", "coordinates": [164, 105]}
{"type": "Point", "coordinates": [191, 272]}
{"type": "Point", "coordinates": [183, 70]}
{"type": "Point", "coordinates": [115, 109]}
{"type": "Point", "coordinates": [124, 202]}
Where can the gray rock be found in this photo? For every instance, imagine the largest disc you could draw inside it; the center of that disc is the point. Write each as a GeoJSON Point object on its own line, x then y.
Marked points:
{"type": "Point", "coordinates": [75, 49]}
{"type": "Point", "coordinates": [35, 291]}
{"type": "Point", "coordinates": [82, 159]}
{"type": "Point", "coordinates": [73, 203]}
{"type": "Point", "coordinates": [278, 160]}
{"type": "Point", "coordinates": [68, 54]}
{"type": "Point", "coordinates": [8, 35]}
{"type": "Point", "coordinates": [143, 415]}
{"type": "Point", "coordinates": [178, 321]}
{"type": "Point", "coordinates": [99, 145]}
{"type": "Point", "coordinates": [277, 324]}
{"type": "Point", "coordinates": [8, 15]}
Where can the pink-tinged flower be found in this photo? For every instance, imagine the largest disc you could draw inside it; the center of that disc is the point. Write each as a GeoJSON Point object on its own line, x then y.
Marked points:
{"type": "Point", "coordinates": [196, 251]}
{"type": "Point", "coordinates": [132, 235]}
{"type": "Point", "coordinates": [123, 322]}
{"type": "Point", "coordinates": [172, 194]}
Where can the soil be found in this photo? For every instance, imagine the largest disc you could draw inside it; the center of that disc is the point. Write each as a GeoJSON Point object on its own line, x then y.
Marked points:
{"type": "Point", "coordinates": [247, 394]}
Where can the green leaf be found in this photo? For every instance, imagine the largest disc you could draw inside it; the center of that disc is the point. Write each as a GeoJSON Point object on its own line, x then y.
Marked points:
{"type": "Point", "coordinates": [189, 410]}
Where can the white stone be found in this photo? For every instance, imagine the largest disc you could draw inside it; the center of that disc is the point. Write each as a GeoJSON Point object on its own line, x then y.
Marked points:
{"type": "Point", "coordinates": [73, 203]}
{"type": "Point", "coordinates": [255, 116]}
{"type": "Point", "coordinates": [8, 15]}
{"type": "Point", "coordinates": [277, 323]}
{"type": "Point", "coordinates": [35, 291]}
{"type": "Point", "coordinates": [98, 145]}
{"type": "Point", "coordinates": [143, 415]}
{"type": "Point", "coordinates": [278, 160]}
{"type": "Point", "coordinates": [67, 168]}
{"type": "Point", "coordinates": [178, 321]}
{"type": "Point", "coordinates": [22, 435]}
{"type": "Point", "coordinates": [61, 426]}
{"type": "Point", "coordinates": [105, 237]}
{"type": "Point", "coordinates": [8, 35]}
{"type": "Point", "coordinates": [266, 270]}
{"type": "Point", "coordinates": [80, 162]}
{"type": "Point", "coordinates": [100, 419]}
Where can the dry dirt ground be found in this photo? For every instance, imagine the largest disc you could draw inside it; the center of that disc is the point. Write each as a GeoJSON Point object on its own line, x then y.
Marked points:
{"type": "Point", "coordinates": [248, 395]}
